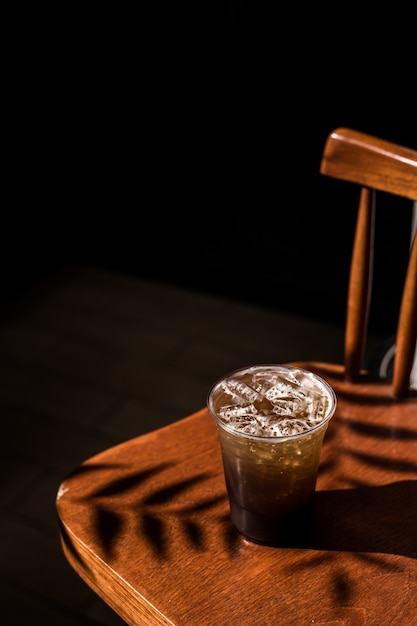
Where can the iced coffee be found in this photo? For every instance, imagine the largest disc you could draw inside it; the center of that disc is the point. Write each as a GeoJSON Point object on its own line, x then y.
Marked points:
{"type": "Point", "coordinates": [271, 421]}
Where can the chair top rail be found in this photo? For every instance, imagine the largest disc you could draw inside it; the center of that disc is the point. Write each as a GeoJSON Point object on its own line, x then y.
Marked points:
{"type": "Point", "coordinates": [371, 162]}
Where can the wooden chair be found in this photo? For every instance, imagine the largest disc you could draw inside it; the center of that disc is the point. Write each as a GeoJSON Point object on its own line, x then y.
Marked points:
{"type": "Point", "coordinates": [146, 523]}
{"type": "Point", "coordinates": [375, 165]}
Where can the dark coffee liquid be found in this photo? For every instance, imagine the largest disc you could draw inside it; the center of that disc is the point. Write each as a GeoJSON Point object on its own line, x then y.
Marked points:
{"type": "Point", "coordinates": [270, 485]}
{"type": "Point", "coordinates": [273, 530]}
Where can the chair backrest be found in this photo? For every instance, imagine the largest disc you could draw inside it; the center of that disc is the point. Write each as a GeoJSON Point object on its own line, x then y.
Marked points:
{"type": "Point", "coordinates": [375, 165]}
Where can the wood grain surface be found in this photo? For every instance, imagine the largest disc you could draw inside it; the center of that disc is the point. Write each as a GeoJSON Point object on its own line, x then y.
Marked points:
{"type": "Point", "coordinates": [146, 525]}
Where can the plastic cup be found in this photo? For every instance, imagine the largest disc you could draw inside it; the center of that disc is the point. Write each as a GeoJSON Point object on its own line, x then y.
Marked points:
{"type": "Point", "coordinates": [271, 421]}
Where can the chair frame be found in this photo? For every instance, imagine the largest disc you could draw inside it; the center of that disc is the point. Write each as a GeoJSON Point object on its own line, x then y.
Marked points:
{"type": "Point", "coordinates": [375, 165]}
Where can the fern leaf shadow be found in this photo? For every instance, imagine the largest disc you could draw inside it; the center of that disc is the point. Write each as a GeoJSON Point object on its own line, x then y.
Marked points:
{"type": "Point", "coordinates": [154, 528]}
{"type": "Point", "coordinates": [109, 525]}
{"type": "Point", "coordinates": [166, 494]}
{"type": "Point", "coordinates": [127, 483]}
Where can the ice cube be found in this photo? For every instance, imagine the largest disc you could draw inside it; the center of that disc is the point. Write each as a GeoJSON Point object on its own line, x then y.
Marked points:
{"type": "Point", "coordinates": [248, 393]}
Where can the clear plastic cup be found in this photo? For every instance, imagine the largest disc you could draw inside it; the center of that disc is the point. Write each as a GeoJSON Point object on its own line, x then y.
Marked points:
{"type": "Point", "coordinates": [271, 421]}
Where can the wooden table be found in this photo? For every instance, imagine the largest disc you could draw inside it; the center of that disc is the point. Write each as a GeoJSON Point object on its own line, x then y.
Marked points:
{"type": "Point", "coordinates": [146, 525]}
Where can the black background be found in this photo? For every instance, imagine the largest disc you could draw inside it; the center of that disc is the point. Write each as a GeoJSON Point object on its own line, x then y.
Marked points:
{"type": "Point", "coordinates": [183, 145]}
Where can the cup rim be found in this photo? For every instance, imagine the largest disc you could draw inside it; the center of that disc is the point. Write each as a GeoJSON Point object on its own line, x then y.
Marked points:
{"type": "Point", "coordinates": [234, 431]}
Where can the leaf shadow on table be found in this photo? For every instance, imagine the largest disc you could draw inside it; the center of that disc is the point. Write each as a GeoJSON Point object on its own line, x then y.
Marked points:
{"type": "Point", "coordinates": [363, 519]}
{"type": "Point", "coordinates": [154, 499]}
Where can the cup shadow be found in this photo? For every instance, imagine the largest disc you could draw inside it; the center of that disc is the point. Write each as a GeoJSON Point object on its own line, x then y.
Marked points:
{"type": "Point", "coordinates": [366, 519]}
